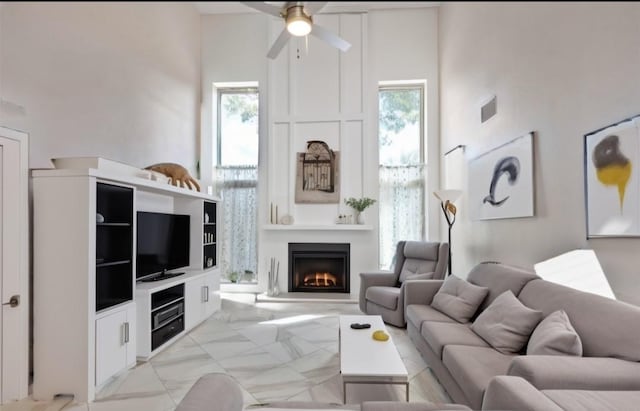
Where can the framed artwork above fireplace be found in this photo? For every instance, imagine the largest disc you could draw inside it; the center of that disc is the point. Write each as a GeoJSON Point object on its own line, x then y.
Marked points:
{"type": "Point", "coordinates": [317, 174]}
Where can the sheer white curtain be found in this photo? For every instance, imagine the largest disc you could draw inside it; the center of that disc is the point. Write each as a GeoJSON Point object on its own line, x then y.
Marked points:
{"type": "Point", "coordinates": [238, 188]}
{"type": "Point", "coordinates": [401, 207]}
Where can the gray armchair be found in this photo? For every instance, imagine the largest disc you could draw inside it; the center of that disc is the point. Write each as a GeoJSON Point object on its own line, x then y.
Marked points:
{"type": "Point", "coordinates": [382, 293]}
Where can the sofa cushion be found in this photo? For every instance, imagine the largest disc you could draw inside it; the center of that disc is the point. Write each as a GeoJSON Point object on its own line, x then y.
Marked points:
{"type": "Point", "coordinates": [612, 337]}
{"type": "Point", "coordinates": [555, 336]}
{"type": "Point", "coordinates": [506, 324]}
{"type": "Point", "coordinates": [384, 296]}
{"type": "Point", "coordinates": [419, 257]}
{"type": "Point", "coordinates": [499, 278]}
{"type": "Point", "coordinates": [595, 400]}
{"type": "Point", "coordinates": [418, 313]}
{"type": "Point", "coordinates": [413, 266]}
{"type": "Point", "coordinates": [473, 367]}
{"type": "Point", "coordinates": [458, 298]}
{"type": "Point", "coordinates": [440, 334]}
{"type": "Point", "coordinates": [423, 276]}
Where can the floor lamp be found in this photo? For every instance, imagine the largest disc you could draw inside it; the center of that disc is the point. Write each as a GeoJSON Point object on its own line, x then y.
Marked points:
{"type": "Point", "coordinates": [447, 198]}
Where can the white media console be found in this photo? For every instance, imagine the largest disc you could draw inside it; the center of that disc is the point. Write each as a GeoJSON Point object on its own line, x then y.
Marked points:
{"type": "Point", "coordinates": [91, 319]}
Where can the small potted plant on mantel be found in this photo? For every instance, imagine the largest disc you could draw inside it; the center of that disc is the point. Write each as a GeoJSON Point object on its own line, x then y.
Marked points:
{"type": "Point", "coordinates": [359, 205]}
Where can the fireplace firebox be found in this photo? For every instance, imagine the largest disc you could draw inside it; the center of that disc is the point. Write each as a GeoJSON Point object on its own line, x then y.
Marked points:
{"type": "Point", "coordinates": [319, 267]}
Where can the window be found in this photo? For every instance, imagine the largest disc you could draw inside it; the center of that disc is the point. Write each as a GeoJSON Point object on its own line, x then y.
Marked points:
{"type": "Point", "coordinates": [236, 174]}
{"type": "Point", "coordinates": [401, 168]}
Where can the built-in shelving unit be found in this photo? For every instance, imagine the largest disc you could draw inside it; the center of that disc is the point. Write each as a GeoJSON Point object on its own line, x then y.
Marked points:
{"type": "Point", "coordinates": [91, 319]}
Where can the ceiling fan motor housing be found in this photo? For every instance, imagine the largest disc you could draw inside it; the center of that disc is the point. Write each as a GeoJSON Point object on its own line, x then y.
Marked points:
{"type": "Point", "coordinates": [298, 22]}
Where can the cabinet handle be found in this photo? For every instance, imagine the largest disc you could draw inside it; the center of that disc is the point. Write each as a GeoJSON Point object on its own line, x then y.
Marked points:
{"type": "Point", "coordinates": [126, 332]}
{"type": "Point", "coordinates": [205, 293]}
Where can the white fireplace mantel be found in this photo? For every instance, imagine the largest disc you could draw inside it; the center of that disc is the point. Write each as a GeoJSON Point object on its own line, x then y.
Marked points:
{"type": "Point", "coordinates": [301, 227]}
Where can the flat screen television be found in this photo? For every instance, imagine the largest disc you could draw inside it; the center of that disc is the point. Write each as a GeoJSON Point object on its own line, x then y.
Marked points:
{"type": "Point", "coordinates": [162, 243]}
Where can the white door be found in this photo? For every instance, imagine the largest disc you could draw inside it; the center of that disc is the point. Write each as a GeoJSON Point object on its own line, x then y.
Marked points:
{"type": "Point", "coordinates": [14, 322]}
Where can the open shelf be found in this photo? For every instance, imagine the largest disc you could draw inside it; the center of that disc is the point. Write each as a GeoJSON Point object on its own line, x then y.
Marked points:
{"type": "Point", "coordinates": [112, 263]}
{"type": "Point", "coordinates": [114, 245]}
{"type": "Point", "coordinates": [209, 235]}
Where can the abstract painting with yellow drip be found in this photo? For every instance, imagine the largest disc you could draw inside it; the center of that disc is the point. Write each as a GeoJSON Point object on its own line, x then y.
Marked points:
{"type": "Point", "coordinates": [612, 186]}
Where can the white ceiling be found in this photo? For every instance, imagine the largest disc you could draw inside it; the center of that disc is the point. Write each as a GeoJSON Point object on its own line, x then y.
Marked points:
{"type": "Point", "coordinates": [221, 7]}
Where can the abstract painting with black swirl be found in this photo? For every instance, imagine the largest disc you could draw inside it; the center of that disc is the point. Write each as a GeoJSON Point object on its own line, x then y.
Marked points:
{"type": "Point", "coordinates": [612, 186]}
{"type": "Point", "coordinates": [501, 181]}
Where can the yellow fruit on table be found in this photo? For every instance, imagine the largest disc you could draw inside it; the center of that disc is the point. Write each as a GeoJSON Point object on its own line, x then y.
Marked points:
{"type": "Point", "coordinates": [380, 335]}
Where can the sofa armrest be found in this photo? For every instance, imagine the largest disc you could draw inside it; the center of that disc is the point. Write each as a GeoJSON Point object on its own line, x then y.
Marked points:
{"type": "Point", "coordinates": [373, 279]}
{"type": "Point", "coordinates": [515, 393]}
{"type": "Point", "coordinates": [378, 278]}
{"type": "Point", "coordinates": [577, 373]}
{"type": "Point", "coordinates": [420, 291]}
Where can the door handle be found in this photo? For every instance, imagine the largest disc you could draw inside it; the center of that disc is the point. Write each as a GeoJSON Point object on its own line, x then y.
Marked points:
{"type": "Point", "coordinates": [206, 299]}
{"type": "Point", "coordinates": [14, 301]}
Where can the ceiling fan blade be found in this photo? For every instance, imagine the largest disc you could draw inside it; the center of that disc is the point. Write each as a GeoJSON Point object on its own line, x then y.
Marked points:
{"type": "Point", "coordinates": [312, 7]}
{"type": "Point", "coordinates": [331, 38]}
{"type": "Point", "coordinates": [279, 44]}
{"type": "Point", "coordinates": [264, 7]}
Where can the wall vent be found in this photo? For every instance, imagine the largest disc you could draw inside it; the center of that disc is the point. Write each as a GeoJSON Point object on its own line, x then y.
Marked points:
{"type": "Point", "coordinates": [488, 110]}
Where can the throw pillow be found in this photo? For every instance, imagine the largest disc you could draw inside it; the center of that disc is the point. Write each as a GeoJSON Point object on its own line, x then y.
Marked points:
{"type": "Point", "coordinates": [555, 336]}
{"type": "Point", "coordinates": [458, 298]}
{"type": "Point", "coordinates": [506, 323]}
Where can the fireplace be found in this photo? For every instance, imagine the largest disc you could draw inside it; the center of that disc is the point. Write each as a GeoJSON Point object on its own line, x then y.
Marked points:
{"type": "Point", "coordinates": [319, 267]}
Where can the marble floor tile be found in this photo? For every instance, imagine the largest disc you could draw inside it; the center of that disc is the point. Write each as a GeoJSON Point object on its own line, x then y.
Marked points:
{"type": "Point", "coordinates": [318, 366]}
{"type": "Point", "coordinates": [290, 349]}
{"type": "Point", "coordinates": [415, 365]}
{"type": "Point", "coordinates": [264, 334]}
{"type": "Point", "coordinates": [356, 393]}
{"type": "Point", "coordinates": [276, 351]}
{"type": "Point", "coordinates": [250, 363]}
{"type": "Point", "coordinates": [185, 368]}
{"type": "Point", "coordinates": [318, 335]}
{"type": "Point", "coordinates": [141, 381]}
{"type": "Point", "coordinates": [327, 391]}
{"type": "Point", "coordinates": [276, 384]}
{"type": "Point", "coordinates": [425, 387]}
{"type": "Point", "coordinates": [221, 350]}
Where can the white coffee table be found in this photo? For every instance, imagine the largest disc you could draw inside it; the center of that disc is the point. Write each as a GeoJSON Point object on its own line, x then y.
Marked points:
{"type": "Point", "coordinates": [364, 360]}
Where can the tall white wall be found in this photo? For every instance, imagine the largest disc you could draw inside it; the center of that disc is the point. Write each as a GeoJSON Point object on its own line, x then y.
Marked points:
{"type": "Point", "coordinates": [561, 70]}
{"type": "Point", "coordinates": [403, 45]}
{"type": "Point", "coordinates": [116, 80]}
{"type": "Point", "coordinates": [325, 95]}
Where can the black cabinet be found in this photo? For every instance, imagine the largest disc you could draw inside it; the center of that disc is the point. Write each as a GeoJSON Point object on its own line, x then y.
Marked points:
{"type": "Point", "coordinates": [114, 245]}
{"type": "Point", "coordinates": [210, 235]}
{"type": "Point", "coordinates": [167, 314]}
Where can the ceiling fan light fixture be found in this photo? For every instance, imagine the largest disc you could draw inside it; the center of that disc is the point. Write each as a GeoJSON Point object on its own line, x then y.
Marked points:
{"type": "Point", "coordinates": [298, 23]}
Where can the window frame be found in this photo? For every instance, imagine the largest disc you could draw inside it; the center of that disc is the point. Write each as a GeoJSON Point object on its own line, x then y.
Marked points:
{"type": "Point", "coordinates": [409, 85]}
{"type": "Point", "coordinates": [419, 85]}
{"type": "Point", "coordinates": [220, 91]}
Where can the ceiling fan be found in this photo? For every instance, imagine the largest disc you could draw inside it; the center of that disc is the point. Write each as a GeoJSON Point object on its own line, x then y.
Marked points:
{"type": "Point", "coordinates": [298, 22]}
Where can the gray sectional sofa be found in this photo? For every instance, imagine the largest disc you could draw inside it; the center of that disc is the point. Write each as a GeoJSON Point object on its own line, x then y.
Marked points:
{"type": "Point", "coordinates": [515, 393]}
{"type": "Point", "coordinates": [466, 364]}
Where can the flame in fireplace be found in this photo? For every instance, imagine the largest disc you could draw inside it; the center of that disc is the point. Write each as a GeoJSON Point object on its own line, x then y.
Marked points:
{"type": "Point", "coordinates": [320, 280]}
